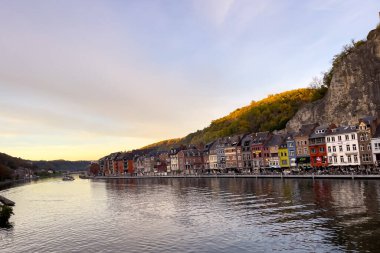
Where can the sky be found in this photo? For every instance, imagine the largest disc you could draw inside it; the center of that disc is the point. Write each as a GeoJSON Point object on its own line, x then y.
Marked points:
{"type": "Point", "coordinates": [81, 79]}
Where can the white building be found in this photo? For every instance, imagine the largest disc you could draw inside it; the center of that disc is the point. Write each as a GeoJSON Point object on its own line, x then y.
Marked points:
{"type": "Point", "coordinates": [343, 147]}
{"type": "Point", "coordinates": [173, 155]}
{"type": "Point", "coordinates": [375, 143]}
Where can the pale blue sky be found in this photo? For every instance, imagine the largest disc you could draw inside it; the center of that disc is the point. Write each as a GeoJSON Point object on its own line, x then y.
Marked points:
{"type": "Point", "coordinates": [81, 79]}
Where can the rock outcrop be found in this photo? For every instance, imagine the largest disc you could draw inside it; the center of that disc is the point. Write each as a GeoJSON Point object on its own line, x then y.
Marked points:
{"type": "Point", "coordinates": [354, 91]}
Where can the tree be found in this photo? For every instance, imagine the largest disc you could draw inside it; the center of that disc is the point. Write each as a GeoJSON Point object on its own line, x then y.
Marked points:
{"type": "Point", "coordinates": [94, 169]}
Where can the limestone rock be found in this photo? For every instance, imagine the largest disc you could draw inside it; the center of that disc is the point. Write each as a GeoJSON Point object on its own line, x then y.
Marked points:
{"type": "Point", "coordinates": [354, 91]}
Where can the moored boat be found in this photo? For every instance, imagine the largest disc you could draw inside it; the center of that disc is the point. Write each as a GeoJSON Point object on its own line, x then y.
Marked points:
{"type": "Point", "coordinates": [67, 178]}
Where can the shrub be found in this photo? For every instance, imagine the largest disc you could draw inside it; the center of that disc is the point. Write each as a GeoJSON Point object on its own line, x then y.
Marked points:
{"type": "Point", "coordinates": [5, 213]}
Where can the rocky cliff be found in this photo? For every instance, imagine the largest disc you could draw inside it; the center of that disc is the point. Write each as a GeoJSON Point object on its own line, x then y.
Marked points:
{"type": "Point", "coordinates": [354, 90]}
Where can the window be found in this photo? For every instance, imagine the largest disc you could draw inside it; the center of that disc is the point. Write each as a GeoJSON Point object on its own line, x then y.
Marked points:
{"type": "Point", "coordinates": [330, 159]}
{"type": "Point", "coordinates": [353, 136]}
{"type": "Point", "coordinates": [334, 149]}
{"type": "Point", "coordinates": [369, 147]}
{"type": "Point", "coordinates": [354, 147]}
{"type": "Point", "coordinates": [321, 149]}
{"type": "Point", "coordinates": [355, 158]}
{"type": "Point", "coordinates": [299, 151]}
{"type": "Point", "coordinates": [328, 139]}
{"type": "Point", "coordinates": [329, 149]}
{"type": "Point", "coordinates": [362, 137]}
{"type": "Point", "coordinates": [341, 159]}
{"type": "Point", "coordinates": [366, 158]}
{"type": "Point", "coordinates": [339, 138]}
{"type": "Point", "coordinates": [366, 137]}
{"type": "Point", "coordinates": [361, 148]}
{"type": "Point", "coordinates": [347, 137]}
{"type": "Point", "coordinates": [333, 139]}
{"type": "Point", "coordinates": [335, 159]}
{"type": "Point", "coordinates": [377, 146]}
{"type": "Point", "coordinates": [349, 159]}
{"type": "Point", "coordinates": [340, 149]}
{"type": "Point", "coordinates": [313, 150]}
{"type": "Point", "coordinates": [305, 142]}
{"type": "Point", "coordinates": [348, 147]}
{"type": "Point", "coordinates": [292, 153]}
{"type": "Point", "coordinates": [305, 150]}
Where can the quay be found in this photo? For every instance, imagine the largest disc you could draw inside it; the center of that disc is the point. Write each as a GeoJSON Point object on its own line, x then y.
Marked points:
{"type": "Point", "coordinates": [308, 176]}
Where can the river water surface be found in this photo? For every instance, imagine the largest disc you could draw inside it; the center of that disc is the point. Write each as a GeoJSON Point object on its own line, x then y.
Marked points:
{"type": "Point", "coordinates": [194, 215]}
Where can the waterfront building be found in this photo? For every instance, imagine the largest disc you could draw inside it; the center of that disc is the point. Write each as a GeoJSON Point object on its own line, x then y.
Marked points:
{"type": "Point", "coordinates": [220, 155]}
{"type": "Point", "coordinates": [291, 146]}
{"type": "Point", "coordinates": [213, 157]}
{"type": "Point", "coordinates": [190, 161]}
{"type": "Point", "coordinates": [365, 130]}
{"type": "Point", "coordinates": [232, 153]}
{"type": "Point", "coordinates": [375, 147]}
{"type": "Point", "coordinates": [343, 146]}
{"type": "Point", "coordinates": [246, 153]}
{"type": "Point", "coordinates": [173, 154]}
{"type": "Point", "coordinates": [149, 161]}
{"type": "Point", "coordinates": [139, 165]}
{"type": "Point", "coordinates": [273, 145]}
{"type": "Point", "coordinates": [206, 156]}
{"type": "Point", "coordinates": [165, 159]}
{"type": "Point", "coordinates": [119, 162]}
{"type": "Point", "coordinates": [318, 147]}
{"type": "Point", "coordinates": [283, 154]}
{"type": "Point", "coordinates": [260, 153]}
{"type": "Point", "coordinates": [301, 139]}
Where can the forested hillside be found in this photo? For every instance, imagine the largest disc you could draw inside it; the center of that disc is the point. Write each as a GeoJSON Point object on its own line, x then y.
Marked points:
{"type": "Point", "coordinates": [271, 113]}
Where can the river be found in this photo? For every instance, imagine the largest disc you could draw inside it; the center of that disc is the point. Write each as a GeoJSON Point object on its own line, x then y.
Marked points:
{"type": "Point", "coordinates": [194, 215]}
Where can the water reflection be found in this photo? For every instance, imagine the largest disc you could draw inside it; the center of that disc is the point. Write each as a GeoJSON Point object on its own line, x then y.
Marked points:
{"type": "Point", "coordinates": [196, 215]}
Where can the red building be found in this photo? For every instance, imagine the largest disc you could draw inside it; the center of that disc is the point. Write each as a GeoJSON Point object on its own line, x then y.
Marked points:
{"type": "Point", "coordinates": [318, 148]}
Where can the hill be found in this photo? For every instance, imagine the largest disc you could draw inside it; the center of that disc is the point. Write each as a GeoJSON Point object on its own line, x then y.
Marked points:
{"type": "Point", "coordinates": [271, 113]}
{"type": "Point", "coordinates": [62, 165]}
{"type": "Point", "coordinates": [8, 164]}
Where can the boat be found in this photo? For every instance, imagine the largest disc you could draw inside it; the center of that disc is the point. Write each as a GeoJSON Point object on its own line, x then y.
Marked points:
{"type": "Point", "coordinates": [83, 176]}
{"type": "Point", "coordinates": [67, 178]}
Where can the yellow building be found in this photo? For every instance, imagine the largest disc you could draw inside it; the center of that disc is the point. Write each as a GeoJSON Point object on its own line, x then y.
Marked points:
{"type": "Point", "coordinates": [284, 156]}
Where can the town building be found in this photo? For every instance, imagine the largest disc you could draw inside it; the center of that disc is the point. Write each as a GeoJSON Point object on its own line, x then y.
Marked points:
{"type": "Point", "coordinates": [260, 153]}
{"type": "Point", "coordinates": [273, 146]}
{"type": "Point", "coordinates": [318, 147]}
{"type": "Point", "coordinates": [301, 139]}
{"type": "Point", "coordinates": [213, 157]}
{"type": "Point", "coordinates": [292, 152]}
{"type": "Point", "coordinates": [283, 154]}
{"type": "Point", "coordinates": [366, 127]}
{"type": "Point", "coordinates": [232, 153]}
{"type": "Point", "coordinates": [246, 153]}
{"type": "Point", "coordinates": [343, 146]}
{"type": "Point", "coordinates": [375, 143]}
{"type": "Point", "coordinates": [190, 161]}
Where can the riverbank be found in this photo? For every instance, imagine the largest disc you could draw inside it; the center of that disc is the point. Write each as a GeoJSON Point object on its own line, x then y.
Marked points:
{"type": "Point", "coordinates": [308, 176]}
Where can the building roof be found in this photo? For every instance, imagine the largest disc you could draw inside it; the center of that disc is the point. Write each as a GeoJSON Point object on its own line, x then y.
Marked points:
{"type": "Point", "coordinates": [261, 137]}
{"type": "Point", "coordinates": [306, 130]}
{"type": "Point", "coordinates": [320, 131]}
{"type": "Point", "coordinates": [368, 120]}
{"type": "Point", "coordinates": [343, 130]}
{"type": "Point", "coordinates": [276, 140]}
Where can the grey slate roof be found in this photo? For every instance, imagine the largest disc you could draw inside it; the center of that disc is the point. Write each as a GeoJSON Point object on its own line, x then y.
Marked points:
{"type": "Point", "coordinates": [343, 130]}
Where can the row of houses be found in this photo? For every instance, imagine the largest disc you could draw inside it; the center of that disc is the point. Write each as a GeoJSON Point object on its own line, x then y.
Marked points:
{"type": "Point", "coordinates": [312, 146]}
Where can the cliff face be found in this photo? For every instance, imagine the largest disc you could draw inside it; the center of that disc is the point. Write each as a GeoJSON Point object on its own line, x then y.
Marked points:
{"type": "Point", "coordinates": [354, 91]}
